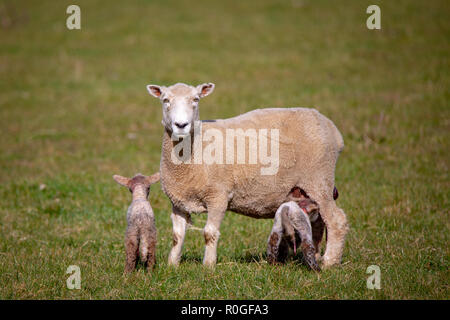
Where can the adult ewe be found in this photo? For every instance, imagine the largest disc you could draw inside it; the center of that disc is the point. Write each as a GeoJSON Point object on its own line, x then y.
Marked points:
{"type": "Point", "coordinates": [309, 145]}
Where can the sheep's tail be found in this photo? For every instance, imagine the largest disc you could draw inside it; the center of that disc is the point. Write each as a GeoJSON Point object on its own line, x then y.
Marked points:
{"type": "Point", "coordinates": [338, 139]}
{"type": "Point", "coordinates": [339, 142]}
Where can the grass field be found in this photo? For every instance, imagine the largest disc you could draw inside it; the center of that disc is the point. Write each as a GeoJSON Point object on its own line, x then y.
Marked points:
{"type": "Point", "coordinates": [74, 111]}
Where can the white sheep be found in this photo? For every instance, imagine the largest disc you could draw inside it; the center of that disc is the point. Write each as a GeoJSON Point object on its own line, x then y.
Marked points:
{"type": "Point", "coordinates": [308, 147]}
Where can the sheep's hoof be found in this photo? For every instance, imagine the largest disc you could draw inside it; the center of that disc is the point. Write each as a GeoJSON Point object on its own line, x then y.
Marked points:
{"type": "Point", "coordinates": [173, 264]}
{"type": "Point", "coordinates": [173, 261]}
{"type": "Point", "coordinates": [209, 263]}
{"type": "Point", "coordinates": [328, 263]}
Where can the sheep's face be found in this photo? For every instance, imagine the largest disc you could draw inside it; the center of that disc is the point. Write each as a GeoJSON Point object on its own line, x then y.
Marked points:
{"type": "Point", "coordinates": [180, 105]}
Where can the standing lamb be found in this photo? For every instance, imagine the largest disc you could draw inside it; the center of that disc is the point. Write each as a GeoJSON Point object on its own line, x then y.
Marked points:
{"type": "Point", "coordinates": [291, 226]}
{"type": "Point", "coordinates": [309, 145]}
{"type": "Point", "coordinates": [140, 237]}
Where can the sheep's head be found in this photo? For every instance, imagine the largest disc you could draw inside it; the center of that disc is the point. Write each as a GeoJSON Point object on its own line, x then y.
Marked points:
{"type": "Point", "coordinates": [180, 105]}
{"type": "Point", "coordinates": [138, 182]}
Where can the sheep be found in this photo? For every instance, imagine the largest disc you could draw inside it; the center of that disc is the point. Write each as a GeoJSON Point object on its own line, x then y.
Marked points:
{"type": "Point", "coordinates": [140, 236]}
{"type": "Point", "coordinates": [308, 147]}
{"type": "Point", "coordinates": [291, 227]}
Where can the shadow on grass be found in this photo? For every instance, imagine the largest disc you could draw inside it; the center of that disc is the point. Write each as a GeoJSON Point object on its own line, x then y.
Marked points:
{"type": "Point", "coordinates": [297, 260]}
{"type": "Point", "coordinates": [251, 257]}
{"type": "Point", "coordinates": [191, 257]}
{"type": "Point", "coordinates": [247, 258]}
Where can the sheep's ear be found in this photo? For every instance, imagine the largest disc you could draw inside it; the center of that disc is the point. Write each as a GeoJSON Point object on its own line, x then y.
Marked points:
{"type": "Point", "coordinates": [155, 90]}
{"type": "Point", "coordinates": [153, 178]}
{"type": "Point", "coordinates": [121, 180]}
{"type": "Point", "coordinates": [205, 89]}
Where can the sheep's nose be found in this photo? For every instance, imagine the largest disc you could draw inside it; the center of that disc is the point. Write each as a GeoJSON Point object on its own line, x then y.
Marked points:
{"type": "Point", "coordinates": [181, 125]}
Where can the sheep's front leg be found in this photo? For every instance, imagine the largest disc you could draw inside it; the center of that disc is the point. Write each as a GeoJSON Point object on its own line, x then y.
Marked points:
{"type": "Point", "coordinates": [179, 225]}
{"type": "Point", "coordinates": [212, 233]}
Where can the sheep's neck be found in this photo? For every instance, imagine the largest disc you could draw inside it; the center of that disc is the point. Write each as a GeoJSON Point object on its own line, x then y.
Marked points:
{"type": "Point", "coordinates": [167, 149]}
{"type": "Point", "coordinates": [139, 193]}
{"type": "Point", "coordinates": [178, 172]}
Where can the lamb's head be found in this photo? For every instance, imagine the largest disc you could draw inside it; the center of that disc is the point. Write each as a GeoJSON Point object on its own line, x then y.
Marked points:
{"type": "Point", "coordinates": [180, 105]}
{"type": "Point", "coordinates": [139, 183]}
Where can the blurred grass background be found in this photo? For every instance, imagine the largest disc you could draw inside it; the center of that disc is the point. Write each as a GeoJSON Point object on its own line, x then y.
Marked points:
{"type": "Point", "coordinates": [74, 111]}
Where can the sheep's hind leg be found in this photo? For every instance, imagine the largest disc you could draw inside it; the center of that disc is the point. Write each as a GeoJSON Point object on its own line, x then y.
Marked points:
{"type": "Point", "coordinates": [337, 228]}
{"type": "Point", "coordinates": [179, 225]}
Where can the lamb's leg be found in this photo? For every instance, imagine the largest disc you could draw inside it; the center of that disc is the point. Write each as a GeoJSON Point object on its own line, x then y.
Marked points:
{"type": "Point", "coordinates": [179, 225]}
{"type": "Point", "coordinates": [303, 229]}
{"type": "Point", "coordinates": [151, 254]}
{"type": "Point", "coordinates": [273, 246]}
{"type": "Point", "coordinates": [337, 228]}
{"type": "Point", "coordinates": [131, 249]}
{"type": "Point", "coordinates": [148, 245]}
{"type": "Point", "coordinates": [318, 227]}
{"type": "Point", "coordinates": [212, 233]}
{"type": "Point", "coordinates": [283, 251]}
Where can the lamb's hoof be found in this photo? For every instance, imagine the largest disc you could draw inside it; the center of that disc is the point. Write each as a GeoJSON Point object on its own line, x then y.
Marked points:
{"type": "Point", "coordinates": [149, 267]}
{"type": "Point", "coordinates": [311, 262]}
{"type": "Point", "coordinates": [318, 257]}
{"type": "Point", "coordinates": [127, 271]}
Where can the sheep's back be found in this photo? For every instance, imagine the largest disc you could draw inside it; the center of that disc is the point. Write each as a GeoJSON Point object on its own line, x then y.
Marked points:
{"type": "Point", "coordinates": [308, 145]}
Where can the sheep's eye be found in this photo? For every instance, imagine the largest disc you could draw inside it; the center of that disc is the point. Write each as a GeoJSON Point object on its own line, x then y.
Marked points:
{"type": "Point", "coordinates": [196, 99]}
{"type": "Point", "coordinates": [166, 100]}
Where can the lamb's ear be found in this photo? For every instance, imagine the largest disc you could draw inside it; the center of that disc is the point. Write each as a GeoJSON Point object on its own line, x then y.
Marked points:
{"type": "Point", "coordinates": [155, 90]}
{"type": "Point", "coordinates": [121, 180]}
{"type": "Point", "coordinates": [205, 89]}
{"type": "Point", "coordinates": [153, 178]}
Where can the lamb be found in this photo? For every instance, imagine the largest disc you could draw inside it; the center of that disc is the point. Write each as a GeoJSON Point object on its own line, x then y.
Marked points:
{"type": "Point", "coordinates": [140, 236]}
{"type": "Point", "coordinates": [312, 210]}
{"type": "Point", "coordinates": [291, 227]}
{"type": "Point", "coordinates": [306, 146]}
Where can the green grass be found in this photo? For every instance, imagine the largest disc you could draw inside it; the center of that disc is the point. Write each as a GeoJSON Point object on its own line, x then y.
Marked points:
{"type": "Point", "coordinates": [70, 99]}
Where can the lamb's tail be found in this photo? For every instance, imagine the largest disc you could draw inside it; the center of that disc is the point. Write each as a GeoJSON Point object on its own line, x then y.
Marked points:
{"type": "Point", "coordinates": [143, 249]}
{"type": "Point", "coordinates": [147, 246]}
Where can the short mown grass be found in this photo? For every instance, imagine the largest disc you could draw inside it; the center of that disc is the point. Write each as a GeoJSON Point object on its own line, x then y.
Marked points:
{"type": "Point", "coordinates": [74, 111]}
